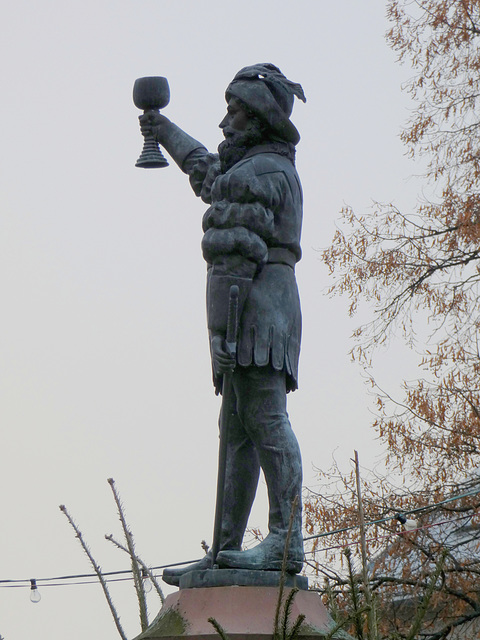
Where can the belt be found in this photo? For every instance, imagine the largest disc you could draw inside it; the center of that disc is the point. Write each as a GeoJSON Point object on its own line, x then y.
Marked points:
{"type": "Point", "coordinates": [277, 255]}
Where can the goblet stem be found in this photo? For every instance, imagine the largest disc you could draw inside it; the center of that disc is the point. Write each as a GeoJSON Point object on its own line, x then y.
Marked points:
{"type": "Point", "coordinates": [151, 156]}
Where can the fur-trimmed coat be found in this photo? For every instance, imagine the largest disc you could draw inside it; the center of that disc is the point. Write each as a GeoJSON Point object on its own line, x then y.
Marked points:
{"type": "Point", "coordinates": [256, 212]}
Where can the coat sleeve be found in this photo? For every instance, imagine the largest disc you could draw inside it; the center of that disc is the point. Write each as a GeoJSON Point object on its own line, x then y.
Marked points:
{"type": "Point", "coordinates": [203, 168]}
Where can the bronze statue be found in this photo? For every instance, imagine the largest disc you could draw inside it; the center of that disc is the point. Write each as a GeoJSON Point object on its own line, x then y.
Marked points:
{"type": "Point", "coordinates": [251, 239]}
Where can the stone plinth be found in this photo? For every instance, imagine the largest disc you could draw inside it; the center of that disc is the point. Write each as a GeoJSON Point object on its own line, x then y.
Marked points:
{"type": "Point", "coordinates": [244, 612]}
{"type": "Point", "coordinates": [239, 578]}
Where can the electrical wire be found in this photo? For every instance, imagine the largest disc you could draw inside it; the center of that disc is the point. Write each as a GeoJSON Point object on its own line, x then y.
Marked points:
{"type": "Point", "coordinates": [394, 534]}
{"type": "Point", "coordinates": [388, 518]}
{"type": "Point", "coordinates": [19, 582]}
{"type": "Point", "coordinates": [12, 583]}
{"type": "Point", "coordinates": [63, 584]}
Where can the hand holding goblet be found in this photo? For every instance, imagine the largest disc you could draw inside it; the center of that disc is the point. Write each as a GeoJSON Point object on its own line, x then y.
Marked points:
{"type": "Point", "coordinates": [151, 93]}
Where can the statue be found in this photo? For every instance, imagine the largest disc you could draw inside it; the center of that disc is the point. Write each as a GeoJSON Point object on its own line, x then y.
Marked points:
{"type": "Point", "coordinates": [252, 239]}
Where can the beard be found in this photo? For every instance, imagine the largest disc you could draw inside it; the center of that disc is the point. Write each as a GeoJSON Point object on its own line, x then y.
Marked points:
{"type": "Point", "coordinates": [237, 143]}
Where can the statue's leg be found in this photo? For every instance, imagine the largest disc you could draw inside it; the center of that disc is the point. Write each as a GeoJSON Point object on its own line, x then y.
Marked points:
{"type": "Point", "coordinates": [261, 404]}
{"type": "Point", "coordinates": [241, 480]}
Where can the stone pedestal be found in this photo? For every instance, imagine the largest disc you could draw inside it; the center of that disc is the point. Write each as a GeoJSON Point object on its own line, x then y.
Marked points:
{"type": "Point", "coordinates": [244, 612]}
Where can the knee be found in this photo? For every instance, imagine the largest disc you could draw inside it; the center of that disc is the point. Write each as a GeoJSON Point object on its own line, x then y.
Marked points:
{"type": "Point", "coordinates": [265, 425]}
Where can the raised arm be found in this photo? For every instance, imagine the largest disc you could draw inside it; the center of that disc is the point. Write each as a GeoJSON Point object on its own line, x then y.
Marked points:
{"type": "Point", "coordinates": [177, 142]}
{"type": "Point", "coordinates": [190, 155]}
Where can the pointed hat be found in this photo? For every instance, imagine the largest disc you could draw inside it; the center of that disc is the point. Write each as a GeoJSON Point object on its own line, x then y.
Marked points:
{"type": "Point", "coordinates": [269, 95]}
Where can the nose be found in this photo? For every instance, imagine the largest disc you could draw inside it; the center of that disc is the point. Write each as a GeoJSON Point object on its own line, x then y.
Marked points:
{"type": "Point", "coordinates": [224, 122]}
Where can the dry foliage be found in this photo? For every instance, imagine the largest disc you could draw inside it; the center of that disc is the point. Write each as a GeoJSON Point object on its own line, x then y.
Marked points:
{"type": "Point", "coordinates": [422, 269]}
{"type": "Point", "coordinates": [402, 562]}
{"type": "Point", "coordinates": [421, 273]}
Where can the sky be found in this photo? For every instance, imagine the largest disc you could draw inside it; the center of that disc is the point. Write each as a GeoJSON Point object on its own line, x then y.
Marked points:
{"type": "Point", "coordinates": [104, 362]}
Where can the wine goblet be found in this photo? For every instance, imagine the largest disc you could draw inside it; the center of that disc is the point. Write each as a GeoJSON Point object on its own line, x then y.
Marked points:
{"type": "Point", "coordinates": [150, 93]}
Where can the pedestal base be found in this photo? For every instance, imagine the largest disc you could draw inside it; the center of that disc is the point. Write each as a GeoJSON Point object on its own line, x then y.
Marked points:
{"type": "Point", "coordinates": [239, 578]}
{"type": "Point", "coordinates": [245, 613]}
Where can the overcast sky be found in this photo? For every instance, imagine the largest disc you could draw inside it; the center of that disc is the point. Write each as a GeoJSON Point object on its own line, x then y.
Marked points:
{"type": "Point", "coordinates": [104, 363]}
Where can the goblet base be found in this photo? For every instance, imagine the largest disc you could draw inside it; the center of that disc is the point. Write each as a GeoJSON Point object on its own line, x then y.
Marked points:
{"type": "Point", "coordinates": [151, 163]}
{"type": "Point", "coordinates": [151, 156]}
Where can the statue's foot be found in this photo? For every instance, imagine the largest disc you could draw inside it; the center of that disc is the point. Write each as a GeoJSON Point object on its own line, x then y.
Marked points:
{"type": "Point", "coordinates": [266, 556]}
{"type": "Point", "coordinates": [172, 576]}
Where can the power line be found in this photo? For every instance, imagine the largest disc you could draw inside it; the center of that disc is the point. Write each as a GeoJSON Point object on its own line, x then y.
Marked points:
{"type": "Point", "coordinates": [12, 583]}
{"type": "Point", "coordinates": [394, 534]}
{"type": "Point", "coordinates": [388, 518]}
{"type": "Point", "coordinates": [20, 582]}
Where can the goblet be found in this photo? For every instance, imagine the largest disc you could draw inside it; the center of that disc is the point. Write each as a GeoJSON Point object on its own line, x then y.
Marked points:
{"type": "Point", "coordinates": [151, 93]}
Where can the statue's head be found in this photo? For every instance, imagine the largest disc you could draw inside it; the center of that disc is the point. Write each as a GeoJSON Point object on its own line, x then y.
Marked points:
{"type": "Point", "coordinates": [259, 105]}
{"type": "Point", "coordinates": [268, 95]}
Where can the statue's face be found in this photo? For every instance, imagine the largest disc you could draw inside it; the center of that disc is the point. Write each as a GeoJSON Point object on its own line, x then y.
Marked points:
{"type": "Point", "coordinates": [242, 132]}
{"type": "Point", "coordinates": [236, 118]}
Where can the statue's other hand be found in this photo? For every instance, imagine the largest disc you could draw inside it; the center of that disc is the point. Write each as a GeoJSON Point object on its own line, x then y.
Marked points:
{"type": "Point", "coordinates": [154, 124]}
{"type": "Point", "coordinates": [222, 360]}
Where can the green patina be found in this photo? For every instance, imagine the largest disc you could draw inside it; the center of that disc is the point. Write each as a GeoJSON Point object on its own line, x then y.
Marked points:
{"type": "Point", "coordinates": [169, 623]}
{"type": "Point", "coordinates": [307, 630]}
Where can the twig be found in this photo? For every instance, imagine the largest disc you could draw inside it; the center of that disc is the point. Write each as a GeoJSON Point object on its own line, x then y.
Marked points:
{"type": "Point", "coordinates": [357, 611]}
{"type": "Point", "coordinates": [295, 630]}
{"type": "Point", "coordinates": [137, 578]}
{"type": "Point", "coordinates": [97, 570]}
{"type": "Point", "coordinates": [218, 628]}
{"type": "Point", "coordinates": [148, 571]}
{"type": "Point", "coordinates": [283, 575]}
{"type": "Point", "coordinates": [422, 609]}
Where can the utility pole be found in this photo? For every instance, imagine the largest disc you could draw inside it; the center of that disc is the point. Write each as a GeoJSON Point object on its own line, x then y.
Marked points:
{"type": "Point", "coordinates": [372, 622]}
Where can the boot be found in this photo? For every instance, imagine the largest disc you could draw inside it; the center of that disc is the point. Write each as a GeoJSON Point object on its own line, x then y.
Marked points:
{"type": "Point", "coordinates": [266, 556]}
{"type": "Point", "coordinates": [172, 575]}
